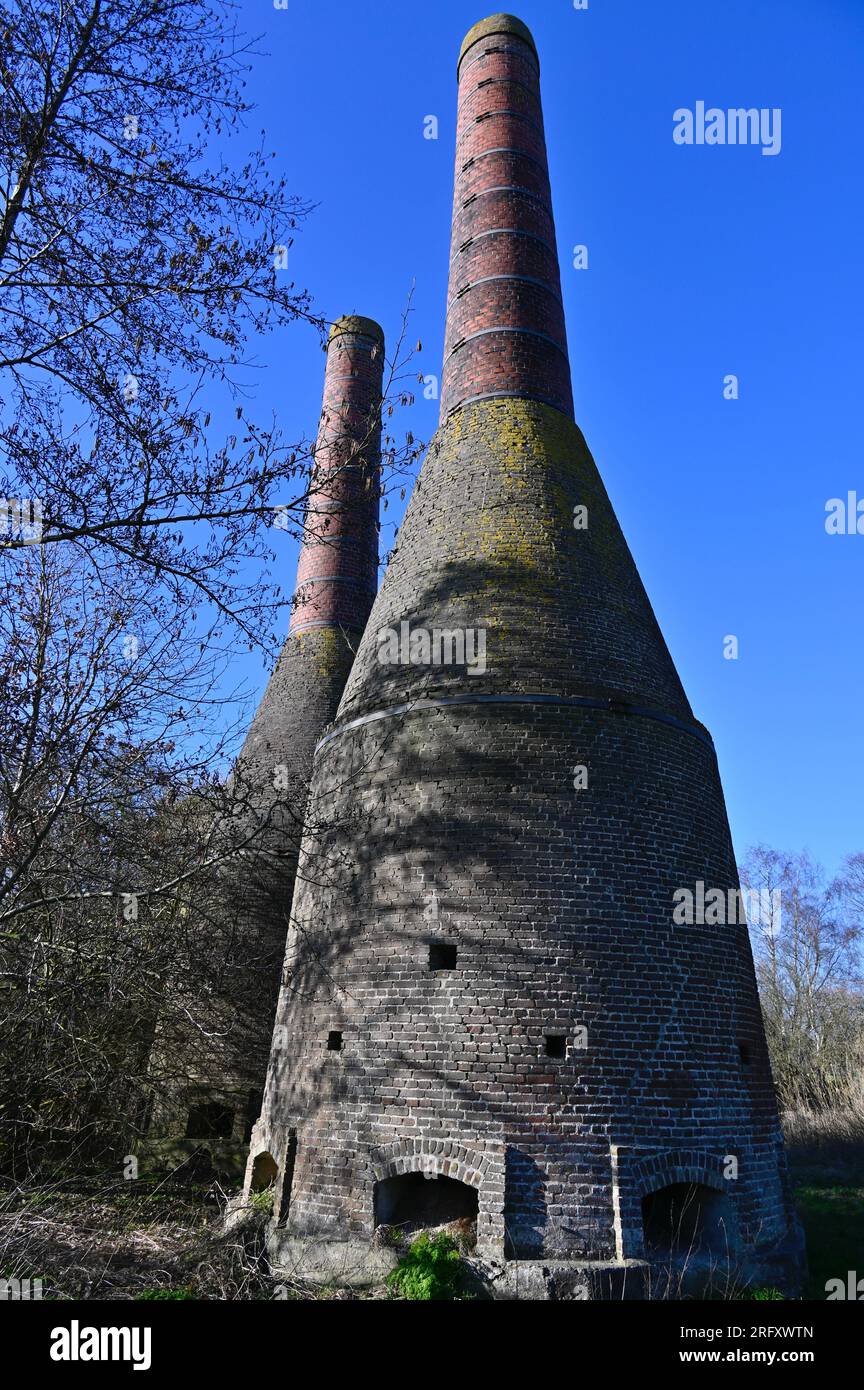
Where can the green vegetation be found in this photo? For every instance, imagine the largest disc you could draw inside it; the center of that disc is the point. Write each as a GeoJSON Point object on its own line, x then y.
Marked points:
{"type": "Point", "coordinates": [109, 1239]}
{"type": "Point", "coordinates": [833, 1218]}
{"type": "Point", "coordinates": [262, 1202]}
{"type": "Point", "coordinates": [431, 1270]}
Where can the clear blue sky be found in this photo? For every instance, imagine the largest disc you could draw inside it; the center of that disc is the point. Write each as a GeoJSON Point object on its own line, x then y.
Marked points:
{"type": "Point", "coordinates": [703, 261]}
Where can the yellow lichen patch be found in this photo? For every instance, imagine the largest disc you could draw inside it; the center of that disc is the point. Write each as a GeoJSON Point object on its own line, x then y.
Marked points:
{"type": "Point", "coordinates": [326, 647]}
{"type": "Point", "coordinates": [519, 526]}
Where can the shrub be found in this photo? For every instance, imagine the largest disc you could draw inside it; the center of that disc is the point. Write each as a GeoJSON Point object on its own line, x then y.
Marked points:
{"type": "Point", "coordinates": [262, 1201]}
{"type": "Point", "coordinates": [432, 1269]}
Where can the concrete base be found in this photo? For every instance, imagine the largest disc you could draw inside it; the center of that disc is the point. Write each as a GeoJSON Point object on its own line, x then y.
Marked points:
{"type": "Point", "coordinates": [315, 1260]}
{"type": "Point", "coordinates": [357, 1263]}
{"type": "Point", "coordinates": [570, 1281]}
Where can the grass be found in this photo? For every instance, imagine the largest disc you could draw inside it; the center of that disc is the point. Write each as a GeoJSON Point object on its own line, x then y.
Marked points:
{"type": "Point", "coordinates": [826, 1161]}
{"type": "Point", "coordinates": [152, 1295]}
{"type": "Point", "coordinates": [152, 1239]}
{"type": "Point", "coordinates": [833, 1218]}
{"type": "Point", "coordinates": [97, 1238]}
{"type": "Point", "coordinates": [262, 1201]}
{"type": "Point", "coordinates": [155, 1238]}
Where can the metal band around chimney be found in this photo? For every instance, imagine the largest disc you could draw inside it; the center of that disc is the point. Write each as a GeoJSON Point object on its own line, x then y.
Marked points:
{"type": "Point", "coordinates": [608, 706]}
{"type": "Point", "coordinates": [321, 624]}
{"type": "Point", "coordinates": [508, 82]}
{"type": "Point", "coordinates": [502, 328]}
{"type": "Point", "coordinates": [335, 579]}
{"type": "Point", "coordinates": [509, 188]}
{"type": "Point", "coordinates": [506, 149]}
{"type": "Point", "coordinates": [355, 325]}
{"type": "Point", "coordinates": [504, 231]}
{"type": "Point", "coordinates": [499, 48]}
{"type": "Point", "coordinates": [502, 111]}
{"type": "Point", "coordinates": [511, 395]}
{"type": "Point", "coordinates": [353, 375]}
{"type": "Point", "coordinates": [520, 279]}
{"type": "Point", "coordinates": [498, 26]}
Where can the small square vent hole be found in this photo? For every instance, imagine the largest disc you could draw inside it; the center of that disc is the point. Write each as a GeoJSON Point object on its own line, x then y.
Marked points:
{"type": "Point", "coordinates": [442, 956]}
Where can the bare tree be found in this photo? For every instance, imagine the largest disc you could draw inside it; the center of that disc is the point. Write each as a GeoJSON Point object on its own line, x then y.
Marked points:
{"type": "Point", "coordinates": [808, 965]}
{"type": "Point", "coordinates": [142, 263]}
{"type": "Point", "coordinates": [132, 871]}
{"type": "Point", "coordinates": [140, 269]}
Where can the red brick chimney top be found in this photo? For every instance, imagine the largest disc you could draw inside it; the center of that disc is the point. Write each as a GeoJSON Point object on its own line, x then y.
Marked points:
{"type": "Point", "coordinates": [505, 331]}
{"type": "Point", "coordinates": [337, 574]}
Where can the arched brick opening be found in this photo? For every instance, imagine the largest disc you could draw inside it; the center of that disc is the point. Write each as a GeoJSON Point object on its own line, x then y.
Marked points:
{"type": "Point", "coordinates": [481, 1171]}
{"type": "Point", "coordinates": [274, 1167]}
{"type": "Point", "coordinates": [429, 1156]}
{"type": "Point", "coordinates": [418, 1200]}
{"type": "Point", "coordinates": [685, 1205]}
{"type": "Point", "coordinates": [265, 1171]}
{"type": "Point", "coordinates": [686, 1218]}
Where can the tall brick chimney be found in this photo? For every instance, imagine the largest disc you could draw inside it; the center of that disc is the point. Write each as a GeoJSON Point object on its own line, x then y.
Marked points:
{"type": "Point", "coordinates": [505, 332]}
{"type": "Point", "coordinates": [337, 571]}
{"type": "Point", "coordinates": [337, 574]}
{"type": "Point", "coordinates": [490, 1011]}
{"type": "Point", "coordinates": [336, 582]}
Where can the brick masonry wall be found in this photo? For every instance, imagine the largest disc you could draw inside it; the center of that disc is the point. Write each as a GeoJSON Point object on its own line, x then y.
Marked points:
{"type": "Point", "coordinates": [446, 814]}
{"type": "Point", "coordinates": [337, 571]}
{"type": "Point", "coordinates": [300, 700]}
{"type": "Point", "coordinates": [505, 329]}
{"type": "Point", "coordinates": [489, 541]}
{"type": "Point", "coordinates": [337, 578]}
{"type": "Point", "coordinates": [460, 823]}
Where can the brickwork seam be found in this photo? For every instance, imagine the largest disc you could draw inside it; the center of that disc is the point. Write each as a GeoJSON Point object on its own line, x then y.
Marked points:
{"type": "Point", "coordinates": [610, 706]}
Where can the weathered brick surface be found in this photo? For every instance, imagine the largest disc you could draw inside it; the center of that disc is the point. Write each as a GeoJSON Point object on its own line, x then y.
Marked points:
{"type": "Point", "coordinates": [300, 700]}
{"type": "Point", "coordinates": [488, 541]}
{"type": "Point", "coordinates": [505, 324]}
{"type": "Point", "coordinates": [446, 813]}
{"type": "Point", "coordinates": [461, 823]}
{"type": "Point", "coordinates": [337, 575]}
{"type": "Point", "coordinates": [337, 571]}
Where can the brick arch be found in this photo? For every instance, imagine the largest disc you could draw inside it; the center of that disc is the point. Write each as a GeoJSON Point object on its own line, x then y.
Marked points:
{"type": "Point", "coordinates": [679, 1165]}
{"type": "Point", "coordinates": [443, 1157]}
{"type": "Point", "coordinates": [480, 1166]}
{"type": "Point", "coordinates": [638, 1172]}
{"type": "Point", "coordinates": [280, 1148]}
